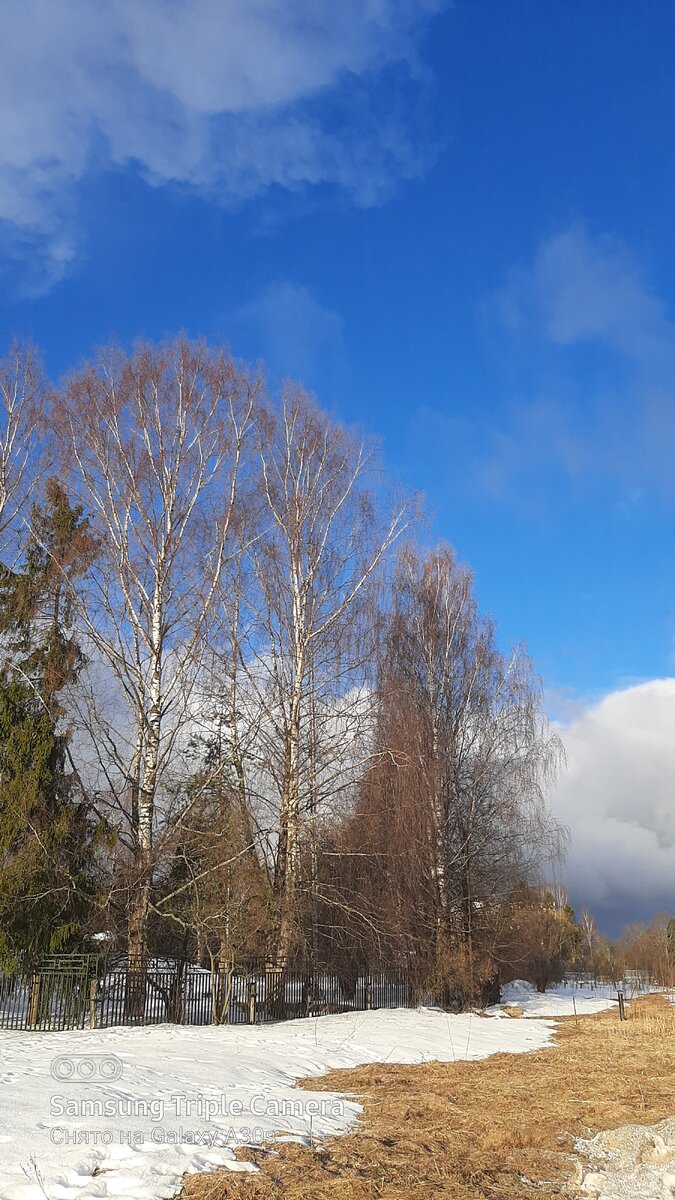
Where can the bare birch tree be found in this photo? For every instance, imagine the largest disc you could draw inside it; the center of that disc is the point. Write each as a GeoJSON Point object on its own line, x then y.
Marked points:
{"type": "Point", "coordinates": [326, 538]}
{"type": "Point", "coordinates": [22, 404]}
{"type": "Point", "coordinates": [155, 445]}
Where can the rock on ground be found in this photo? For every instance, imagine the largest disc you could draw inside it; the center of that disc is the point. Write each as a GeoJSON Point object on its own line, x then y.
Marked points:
{"type": "Point", "coordinates": [633, 1162]}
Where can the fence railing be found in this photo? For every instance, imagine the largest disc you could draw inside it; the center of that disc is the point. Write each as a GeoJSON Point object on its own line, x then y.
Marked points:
{"type": "Point", "coordinates": [67, 994]}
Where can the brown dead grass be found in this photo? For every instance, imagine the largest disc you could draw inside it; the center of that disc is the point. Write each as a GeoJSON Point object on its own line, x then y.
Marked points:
{"type": "Point", "coordinates": [500, 1129]}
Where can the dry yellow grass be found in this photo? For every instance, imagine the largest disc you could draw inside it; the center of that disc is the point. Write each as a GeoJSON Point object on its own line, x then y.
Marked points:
{"type": "Point", "coordinates": [500, 1129]}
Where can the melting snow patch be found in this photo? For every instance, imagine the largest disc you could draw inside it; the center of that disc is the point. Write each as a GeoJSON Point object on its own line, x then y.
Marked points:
{"type": "Point", "coordinates": [560, 1001]}
{"type": "Point", "coordinates": [127, 1112]}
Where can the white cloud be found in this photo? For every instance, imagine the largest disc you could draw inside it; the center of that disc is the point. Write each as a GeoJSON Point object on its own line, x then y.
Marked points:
{"type": "Point", "coordinates": [498, 457]}
{"type": "Point", "coordinates": [220, 95]}
{"type": "Point", "coordinates": [618, 799]}
{"type": "Point", "coordinates": [597, 345]}
{"type": "Point", "coordinates": [581, 289]}
{"type": "Point", "coordinates": [296, 333]}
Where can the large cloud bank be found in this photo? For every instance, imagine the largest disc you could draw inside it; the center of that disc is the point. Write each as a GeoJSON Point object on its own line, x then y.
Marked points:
{"type": "Point", "coordinates": [618, 799]}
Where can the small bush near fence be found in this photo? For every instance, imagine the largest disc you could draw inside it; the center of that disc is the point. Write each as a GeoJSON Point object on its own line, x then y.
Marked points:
{"type": "Point", "coordinates": [77, 992]}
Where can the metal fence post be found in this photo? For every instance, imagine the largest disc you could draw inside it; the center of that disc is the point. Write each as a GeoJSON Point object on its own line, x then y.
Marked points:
{"type": "Point", "coordinates": [306, 997]}
{"type": "Point", "coordinates": [93, 985]}
{"type": "Point", "coordinates": [251, 1001]}
{"type": "Point", "coordinates": [369, 993]}
{"type": "Point", "coordinates": [34, 1000]}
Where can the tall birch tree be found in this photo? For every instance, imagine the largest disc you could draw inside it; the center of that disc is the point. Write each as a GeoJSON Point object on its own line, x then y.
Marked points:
{"type": "Point", "coordinates": [326, 536]}
{"type": "Point", "coordinates": [155, 444]}
{"type": "Point", "coordinates": [22, 407]}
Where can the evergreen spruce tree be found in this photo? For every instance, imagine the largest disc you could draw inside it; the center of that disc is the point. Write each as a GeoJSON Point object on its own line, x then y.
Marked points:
{"type": "Point", "coordinates": [47, 834]}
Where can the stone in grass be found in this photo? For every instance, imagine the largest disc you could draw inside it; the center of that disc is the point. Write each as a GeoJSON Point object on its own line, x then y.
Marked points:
{"type": "Point", "coordinates": [653, 1149]}
{"type": "Point", "coordinates": [668, 1187]}
{"type": "Point", "coordinates": [593, 1184]}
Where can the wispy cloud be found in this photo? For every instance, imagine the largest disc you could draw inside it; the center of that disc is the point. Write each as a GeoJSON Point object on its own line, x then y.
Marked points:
{"type": "Point", "coordinates": [585, 289]}
{"type": "Point", "coordinates": [498, 456]}
{"type": "Point", "coordinates": [296, 332]}
{"type": "Point", "coordinates": [225, 96]}
{"type": "Point", "coordinates": [595, 344]}
{"type": "Point", "coordinates": [582, 291]}
{"type": "Point", "coordinates": [617, 799]}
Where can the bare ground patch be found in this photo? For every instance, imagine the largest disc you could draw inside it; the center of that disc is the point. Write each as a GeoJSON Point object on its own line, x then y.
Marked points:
{"type": "Point", "coordinates": [500, 1129]}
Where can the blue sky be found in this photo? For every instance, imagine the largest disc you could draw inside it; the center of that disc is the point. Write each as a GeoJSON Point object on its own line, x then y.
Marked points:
{"type": "Point", "coordinates": [453, 222]}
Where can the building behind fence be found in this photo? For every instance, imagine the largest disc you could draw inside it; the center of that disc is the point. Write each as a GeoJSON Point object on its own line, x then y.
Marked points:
{"type": "Point", "coordinates": [83, 991]}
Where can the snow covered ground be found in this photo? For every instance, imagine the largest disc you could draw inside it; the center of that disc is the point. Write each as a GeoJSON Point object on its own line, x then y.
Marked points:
{"type": "Point", "coordinates": [126, 1112]}
{"type": "Point", "coordinates": [563, 1000]}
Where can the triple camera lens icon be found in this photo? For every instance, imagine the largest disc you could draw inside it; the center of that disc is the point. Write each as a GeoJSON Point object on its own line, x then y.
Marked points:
{"type": "Point", "coordinates": [86, 1068]}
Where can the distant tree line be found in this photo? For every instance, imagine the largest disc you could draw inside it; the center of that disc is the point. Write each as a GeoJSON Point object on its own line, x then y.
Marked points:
{"type": "Point", "coordinates": [245, 712]}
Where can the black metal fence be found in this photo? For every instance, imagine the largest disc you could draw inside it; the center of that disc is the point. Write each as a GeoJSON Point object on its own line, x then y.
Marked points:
{"type": "Point", "coordinates": [77, 992]}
